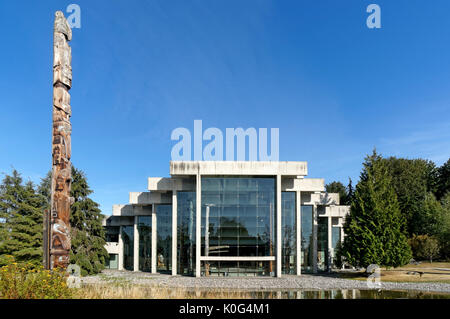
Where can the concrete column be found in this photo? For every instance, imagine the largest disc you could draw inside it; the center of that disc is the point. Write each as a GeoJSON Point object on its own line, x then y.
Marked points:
{"type": "Point", "coordinates": [120, 257]}
{"type": "Point", "coordinates": [315, 228]}
{"type": "Point", "coordinates": [298, 232]}
{"type": "Point", "coordinates": [198, 220]}
{"type": "Point", "coordinates": [330, 249]}
{"type": "Point", "coordinates": [278, 224]}
{"type": "Point", "coordinates": [174, 232]}
{"type": "Point", "coordinates": [154, 239]}
{"type": "Point", "coordinates": [135, 245]}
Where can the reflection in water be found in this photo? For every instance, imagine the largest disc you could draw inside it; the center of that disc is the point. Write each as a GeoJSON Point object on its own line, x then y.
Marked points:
{"type": "Point", "coordinates": [325, 294]}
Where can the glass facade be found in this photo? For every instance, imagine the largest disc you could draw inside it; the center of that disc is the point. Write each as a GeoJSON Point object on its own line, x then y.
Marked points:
{"type": "Point", "coordinates": [237, 232]}
{"type": "Point", "coordinates": [164, 235]}
{"type": "Point", "coordinates": [145, 243]}
{"type": "Point", "coordinates": [322, 244]}
{"type": "Point", "coordinates": [186, 233]}
{"type": "Point", "coordinates": [112, 262]}
{"type": "Point", "coordinates": [307, 238]}
{"type": "Point", "coordinates": [288, 233]}
{"type": "Point", "coordinates": [128, 244]}
{"type": "Point", "coordinates": [238, 220]}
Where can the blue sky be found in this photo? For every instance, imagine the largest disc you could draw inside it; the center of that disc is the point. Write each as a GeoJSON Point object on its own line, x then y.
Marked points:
{"type": "Point", "coordinates": [335, 88]}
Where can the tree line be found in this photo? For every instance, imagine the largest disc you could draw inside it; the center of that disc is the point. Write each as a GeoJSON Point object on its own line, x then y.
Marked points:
{"type": "Point", "coordinates": [22, 206]}
{"type": "Point", "coordinates": [399, 209]}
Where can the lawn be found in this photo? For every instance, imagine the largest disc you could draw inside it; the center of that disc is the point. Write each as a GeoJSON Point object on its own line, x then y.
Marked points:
{"type": "Point", "coordinates": [424, 272]}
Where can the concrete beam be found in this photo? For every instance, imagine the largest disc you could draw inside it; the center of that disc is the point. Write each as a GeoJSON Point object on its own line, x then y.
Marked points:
{"type": "Point", "coordinates": [120, 257]}
{"type": "Point", "coordinates": [132, 210]}
{"type": "Point", "coordinates": [298, 231]}
{"type": "Point", "coordinates": [180, 168]}
{"type": "Point", "coordinates": [135, 245]}
{"type": "Point", "coordinates": [149, 198]}
{"type": "Point", "coordinates": [315, 231]}
{"type": "Point", "coordinates": [198, 219]}
{"type": "Point", "coordinates": [170, 184]}
{"type": "Point", "coordinates": [154, 239]}
{"type": "Point", "coordinates": [329, 248]}
{"type": "Point", "coordinates": [303, 184]}
{"type": "Point", "coordinates": [278, 225]}
{"type": "Point", "coordinates": [319, 198]}
{"type": "Point", "coordinates": [337, 211]}
{"type": "Point", "coordinates": [174, 232]}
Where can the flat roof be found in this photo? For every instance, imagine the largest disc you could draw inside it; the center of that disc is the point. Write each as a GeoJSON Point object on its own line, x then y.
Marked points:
{"type": "Point", "coordinates": [180, 168]}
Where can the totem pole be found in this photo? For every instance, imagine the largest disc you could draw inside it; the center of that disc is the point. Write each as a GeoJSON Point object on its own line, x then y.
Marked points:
{"type": "Point", "coordinates": [57, 221]}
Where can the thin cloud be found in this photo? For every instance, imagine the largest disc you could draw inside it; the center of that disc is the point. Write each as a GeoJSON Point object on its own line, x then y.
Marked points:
{"type": "Point", "coordinates": [432, 143]}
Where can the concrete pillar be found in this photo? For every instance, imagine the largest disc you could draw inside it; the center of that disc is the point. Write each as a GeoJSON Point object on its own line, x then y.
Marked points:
{"type": "Point", "coordinates": [278, 225]}
{"type": "Point", "coordinates": [330, 248]}
{"type": "Point", "coordinates": [174, 232]}
{"type": "Point", "coordinates": [154, 239]}
{"type": "Point", "coordinates": [315, 230]}
{"type": "Point", "coordinates": [120, 257]}
{"type": "Point", "coordinates": [135, 245]}
{"type": "Point", "coordinates": [198, 219]}
{"type": "Point", "coordinates": [298, 232]}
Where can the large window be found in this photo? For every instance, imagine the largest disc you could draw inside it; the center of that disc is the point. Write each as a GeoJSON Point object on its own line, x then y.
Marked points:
{"type": "Point", "coordinates": [238, 220]}
{"type": "Point", "coordinates": [322, 244]}
{"type": "Point", "coordinates": [288, 233]}
{"type": "Point", "coordinates": [335, 236]}
{"type": "Point", "coordinates": [128, 244]}
{"type": "Point", "coordinates": [145, 243]}
{"type": "Point", "coordinates": [306, 238]}
{"type": "Point", "coordinates": [112, 234]}
{"type": "Point", "coordinates": [164, 233]}
{"type": "Point", "coordinates": [186, 233]}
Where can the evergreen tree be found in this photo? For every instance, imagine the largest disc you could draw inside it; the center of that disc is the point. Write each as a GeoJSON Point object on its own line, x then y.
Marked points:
{"type": "Point", "coordinates": [375, 227]}
{"type": "Point", "coordinates": [443, 184]}
{"type": "Point", "coordinates": [412, 181]}
{"type": "Point", "coordinates": [87, 233]}
{"type": "Point", "coordinates": [21, 212]}
{"type": "Point", "coordinates": [350, 192]}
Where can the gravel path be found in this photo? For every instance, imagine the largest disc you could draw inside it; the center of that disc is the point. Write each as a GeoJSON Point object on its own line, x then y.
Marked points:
{"type": "Point", "coordinates": [307, 282]}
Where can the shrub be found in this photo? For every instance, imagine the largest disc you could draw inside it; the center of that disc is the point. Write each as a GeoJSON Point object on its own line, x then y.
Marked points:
{"type": "Point", "coordinates": [26, 281]}
{"type": "Point", "coordinates": [424, 247]}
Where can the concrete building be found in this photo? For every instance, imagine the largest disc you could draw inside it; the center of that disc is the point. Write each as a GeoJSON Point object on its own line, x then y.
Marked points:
{"type": "Point", "coordinates": [228, 219]}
